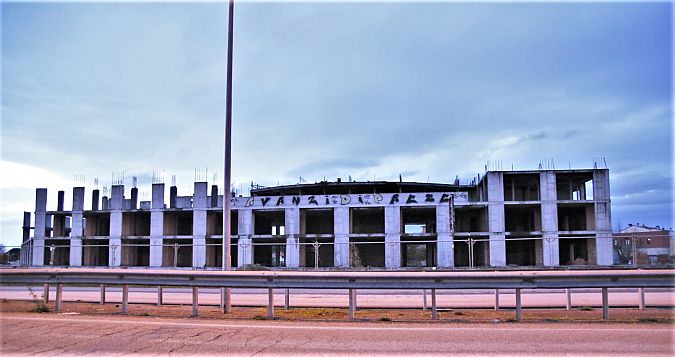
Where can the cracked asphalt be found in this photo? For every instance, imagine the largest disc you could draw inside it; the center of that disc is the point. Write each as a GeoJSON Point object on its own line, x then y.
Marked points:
{"type": "Point", "coordinates": [32, 334]}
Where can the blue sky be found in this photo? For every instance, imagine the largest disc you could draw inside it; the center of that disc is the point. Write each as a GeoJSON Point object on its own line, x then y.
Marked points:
{"type": "Point", "coordinates": [428, 91]}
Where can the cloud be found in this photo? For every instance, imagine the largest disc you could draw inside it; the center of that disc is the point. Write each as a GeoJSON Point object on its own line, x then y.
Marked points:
{"type": "Point", "coordinates": [428, 90]}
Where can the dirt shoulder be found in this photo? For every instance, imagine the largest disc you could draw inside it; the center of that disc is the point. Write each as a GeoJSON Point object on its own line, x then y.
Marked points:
{"type": "Point", "coordinates": [627, 315]}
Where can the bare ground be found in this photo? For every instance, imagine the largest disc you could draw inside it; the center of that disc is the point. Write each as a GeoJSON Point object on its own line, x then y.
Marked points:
{"type": "Point", "coordinates": [627, 315]}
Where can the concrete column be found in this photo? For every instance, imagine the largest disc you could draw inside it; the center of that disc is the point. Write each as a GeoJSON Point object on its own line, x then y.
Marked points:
{"type": "Point", "coordinates": [603, 217]}
{"type": "Point", "coordinates": [292, 229]}
{"type": "Point", "coordinates": [114, 251]}
{"type": "Point", "coordinates": [77, 227]}
{"type": "Point", "coordinates": [117, 197]}
{"type": "Point", "coordinates": [392, 237]}
{"type": "Point", "coordinates": [445, 257]}
{"type": "Point", "coordinates": [116, 205]}
{"type": "Point", "coordinates": [245, 230]}
{"type": "Point", "coordinates": [496, 218]}
{"type": "Point", "coordinates": [40, 226]}
{"type": "Point", "coordinates": [199, 205]}
{"type": "Point", "coordinates": [549, 218]}
{"type": "Point", "coordinates": [245, 251]}
{"type": "Point", "coordinates": [156, 225]}
{"type": "Point", "coordinates": [341, 230]}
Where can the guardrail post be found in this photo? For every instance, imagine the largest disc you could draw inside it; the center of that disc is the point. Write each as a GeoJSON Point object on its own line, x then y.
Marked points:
{"type": "Point", "coordinates": [160, 295]}
{"type": "Point", "coordinates": [433, 305]}
{"type": "Point", "coordinates": [356, 301]}
{"type": "Point", "coordinates": [59, 295]}
{"type": "Point", "coordinates": [351, 305]}
{"type": "Point", "coordinates": [287, 299]}
{"type": "Point", "coordinates": [195, 301]}
{"type": "Point", "coordinates": [270, 305]}
{"type": "Point", "coordinates": [125, 298]}
{"type": "Point", "coordinates": [568, 299]}
{"type": "Point", "coordinates": [496, 299]}
{"type": "Point", "coordinates": [424, 300]}
{"type": "Point", "coordinates": [102, 291]}
{"type": "Point", "coordinates": [519, 306]}
{"type": "Point", "coordinates": [45, 294]}
{"type": "Point", "coordinates": [605, 304]}
{"type": "Point", "coordinates": [641, 296]}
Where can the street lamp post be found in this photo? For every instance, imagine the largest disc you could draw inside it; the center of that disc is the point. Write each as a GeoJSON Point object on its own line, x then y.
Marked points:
{"type": "Point", "coordinates": [226, 301]}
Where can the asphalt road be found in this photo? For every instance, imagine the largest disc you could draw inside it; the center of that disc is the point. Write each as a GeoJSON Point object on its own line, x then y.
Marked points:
{"type": "Point", "coordinates": [117, 335]}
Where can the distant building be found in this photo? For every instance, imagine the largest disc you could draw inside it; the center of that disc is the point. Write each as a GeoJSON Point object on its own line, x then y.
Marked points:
{"type": "Point", "coordinates": [504, 218]}
{"type": "Point", "coordinates": [647, 245]}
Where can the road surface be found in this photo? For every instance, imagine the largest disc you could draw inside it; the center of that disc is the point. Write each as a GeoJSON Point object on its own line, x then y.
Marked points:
{"type": "Point", "coordinates": [117, 335]}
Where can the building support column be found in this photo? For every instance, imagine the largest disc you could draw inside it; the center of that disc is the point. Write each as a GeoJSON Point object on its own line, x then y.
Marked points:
{"type": "Point", "coordinates": [199, 205]}
{"type": "Point", "coordinates": [549, 219]}
{"type": "Point", "coordinates": [342, 249]}
{"type": "Point", "coordinates": [157, 225]}
{"type": "Point", "coordinates": [40, 227]}
{"type": "Point", "coordinates": [603, 218]}
{"type": "Point", "coordinates": [392, 237]}
{"type": "Point", "coordinates": [292, 230]}
{"type": "Point", "coordinates": [245, 243]}
{"type": "Point", "coordinates": [115, 240]}
{"type": "Point", "coordinates": [445, 254]}
{"type": "Point", "coordinates": [496, 219]}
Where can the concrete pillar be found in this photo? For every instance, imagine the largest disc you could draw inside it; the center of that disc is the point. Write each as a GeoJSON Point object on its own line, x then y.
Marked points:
{"type": "Point", "coordinates": [603, 217]}
{"type": "Point", "coordinates": [40, 226]}
{"type": "Point", "coordinates": [199, 205]}
{"type": "Point", "coordinates": [245, 230]}
{"type": "Point", "coordinates": [156, 225]}
{"type": "Point", "coordinates": [292, 229]}
{"type": "Point", "coordinates": [95, 199]}
{"type": "Point", "coordinates": [341, 230]}
{"type": "Point", "coordinates": [134, 198]}
{"type": "Point", "coordinates": [116, 204]}
{"type": "Point", "coordinates": [114, 251]}
{"type": "Point", "coordinates": [117, 197]}
{"type": "Point", "coordinates": [77, 227]}
{"type": "Point", "coordinates": [549, 218]}
{"type": "Point", "coordinates": [495, 182]}
{"type": "Point", "coordinates": [214, 196]}
{"type": "Point", "coordinates": [392, 237]}
{"type": "Point", "coordinates": [445, 257]}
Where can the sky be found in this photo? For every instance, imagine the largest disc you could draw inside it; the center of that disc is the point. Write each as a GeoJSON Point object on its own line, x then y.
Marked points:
{"type": "Point", "coordinates": [371, 91]}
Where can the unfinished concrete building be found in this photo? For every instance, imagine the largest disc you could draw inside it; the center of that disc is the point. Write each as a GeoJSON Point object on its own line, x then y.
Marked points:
{"type": "Point", "coordinates": [504, 218]}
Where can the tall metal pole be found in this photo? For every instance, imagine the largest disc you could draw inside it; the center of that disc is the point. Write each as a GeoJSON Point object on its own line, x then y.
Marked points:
{"type": "Point", "coordinates": [227, 195]}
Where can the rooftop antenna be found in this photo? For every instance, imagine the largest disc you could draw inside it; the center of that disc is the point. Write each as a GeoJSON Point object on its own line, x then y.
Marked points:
{"type": "Point", "coordinates": [134, 181]}
{"type": "Point", "coordinates": [173, 180]}
{"type": "Point", "coordinates": [96, 182]}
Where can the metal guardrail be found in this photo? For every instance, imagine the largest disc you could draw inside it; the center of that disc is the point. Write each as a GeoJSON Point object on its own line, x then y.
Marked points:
{"type": "Point", "coordinates": [603, 279]}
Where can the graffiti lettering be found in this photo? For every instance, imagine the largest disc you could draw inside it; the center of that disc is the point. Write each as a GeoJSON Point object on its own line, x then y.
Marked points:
{"type": "Point", "coordinates": [280, 200]}
{"type": "Point", "coordinates": [411, 199]}
{"type": "Point", "coordinates": [345, 199]}
{"type": "Point", "coordinates": [264, 200]}
{"type": "Point", "coordinates": [430, 198]}
{"type": "Point", "coordinates": [296, 200]}
{"type": "Point", "coordinates": [311, 200]}
{"type": "Point", "coordinates": [377, 197]}
{"type": "Point", "coordinates": [445, 198]}
{"type": "Point", "coordinates": [249, 202]}
{"type": "Point", "coordinates": [394, 199]}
